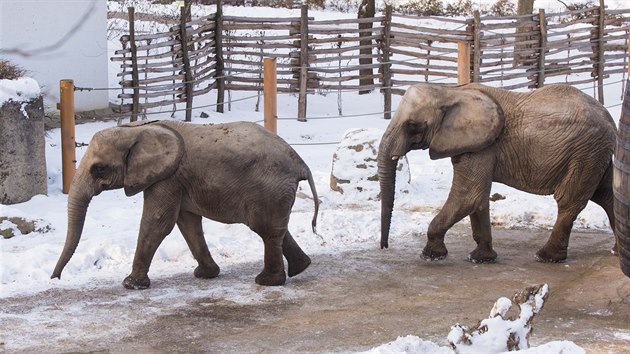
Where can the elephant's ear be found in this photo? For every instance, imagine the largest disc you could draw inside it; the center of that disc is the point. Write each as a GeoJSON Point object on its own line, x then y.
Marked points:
{"type": "Point", "coordinates": [472, 121]}
{"type": "Point", "coordinates": [154, 156]}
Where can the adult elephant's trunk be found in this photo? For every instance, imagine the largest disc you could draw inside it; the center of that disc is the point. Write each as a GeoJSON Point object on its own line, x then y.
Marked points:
{"type": "Point", "coordinates": [79, 198]}
{"type": "Point", "coordinates": [387, 180]}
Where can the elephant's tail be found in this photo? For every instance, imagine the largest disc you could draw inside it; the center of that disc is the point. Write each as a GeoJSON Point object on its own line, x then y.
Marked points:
{"type": "Point", "coordinates": [311, 184]}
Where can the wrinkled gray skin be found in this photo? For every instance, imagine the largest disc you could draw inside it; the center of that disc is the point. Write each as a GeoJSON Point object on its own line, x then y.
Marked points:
{"type": "Point", "coordinates": [231, 173]}
{"type": "Point", "coordinates": [554, 140]}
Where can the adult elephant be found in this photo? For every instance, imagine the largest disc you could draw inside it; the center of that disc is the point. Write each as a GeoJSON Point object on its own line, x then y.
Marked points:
{"type": "Point", "coordinates": [554, 140]}
{"type": "Point", "coordinates": [231, 173]}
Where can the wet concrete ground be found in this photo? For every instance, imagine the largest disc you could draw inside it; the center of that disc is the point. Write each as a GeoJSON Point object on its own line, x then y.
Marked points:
{"type": "Point", "coordinates": [344, 302]}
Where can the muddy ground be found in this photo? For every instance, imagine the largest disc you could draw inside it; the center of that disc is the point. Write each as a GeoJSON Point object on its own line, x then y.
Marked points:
{"type": "Point", "coordinates": [344, 302]}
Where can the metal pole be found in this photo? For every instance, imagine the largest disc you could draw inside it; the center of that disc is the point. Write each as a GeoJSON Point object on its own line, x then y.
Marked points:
{"type": "Point", "coordinates": [68, 146]}
{"type": "Point", "coordinates": [270, 88]}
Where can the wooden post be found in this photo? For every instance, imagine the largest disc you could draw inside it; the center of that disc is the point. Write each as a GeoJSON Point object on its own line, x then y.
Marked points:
{"type": "Point", "coordinates": [68, 146]}
{"type": "Point", "coordinates": [542, 20]}
{"type": "Point", "coordinates": [477, 46]}
{"type": "Point", "coordinates": [600, 52]}
{"type": "Point", "coordinates": [219, 71]}
{"type": "Point", "coordinates": [387, 73]}
{"type": "Point", "coordinates": [463, 63]}
{"type": "Point", "coordinates": [303, 63]}
{"type": "Point", "coordinates": [270, 88]}
{"type": "Point", "coordinates": [135, 81]}
{"type": "Point", "coordinates": [188, 85]}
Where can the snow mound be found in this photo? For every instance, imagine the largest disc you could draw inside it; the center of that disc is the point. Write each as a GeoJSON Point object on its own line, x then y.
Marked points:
{"type": "Point", "coordinates": [23, 89]}
{"type": "Point", "coordinates": [354, 169]}
{"type": "Point", "coordinates": [494, 335]}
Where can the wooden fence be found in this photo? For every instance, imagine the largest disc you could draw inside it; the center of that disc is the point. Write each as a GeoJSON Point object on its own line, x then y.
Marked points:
{"type": "Point", "coordinates": [225, 53]}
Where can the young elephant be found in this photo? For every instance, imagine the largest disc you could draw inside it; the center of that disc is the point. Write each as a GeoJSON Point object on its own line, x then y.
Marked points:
{"type": "Point", "coordinates": [554, 140]}
{"type": "Point", "coordinates": [231, 173]}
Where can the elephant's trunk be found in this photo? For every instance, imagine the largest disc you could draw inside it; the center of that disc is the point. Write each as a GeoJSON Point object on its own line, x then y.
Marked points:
{"type": "Point", "coordinates": [81, 193]}
{"type": "Point", "coordinates": [387, 180]}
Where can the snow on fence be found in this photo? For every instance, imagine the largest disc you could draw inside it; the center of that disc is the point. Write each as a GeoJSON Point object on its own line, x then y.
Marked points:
{"type": "Point", "coordinates": [225, 53]}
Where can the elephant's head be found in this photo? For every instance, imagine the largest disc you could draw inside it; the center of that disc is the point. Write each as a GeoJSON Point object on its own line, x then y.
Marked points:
{"type": "Point", "coordinates": [132, 157]}
{"type": "Point", "coordinates": [448, 121]}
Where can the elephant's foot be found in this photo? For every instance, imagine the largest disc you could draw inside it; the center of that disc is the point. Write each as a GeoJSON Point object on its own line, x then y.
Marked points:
{"type": "Point", "coordinates": [136, 284]}
{"type": "Point", "coordinates": [550, 255]}
{"type": "Point", "coordinates": [482, 255]}
{"type": "Point", "coordinates": [271, 279]}
{"type": "Point", "coordinates": [297, 266]}
{"type": "Point", "coordinates": [435, 252]}
{"type": "Point", "coordinates": [207, 272]}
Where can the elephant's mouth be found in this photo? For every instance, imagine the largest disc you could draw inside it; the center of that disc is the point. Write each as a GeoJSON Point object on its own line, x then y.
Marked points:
{"type": "Point", "coordinates": [419, 146]}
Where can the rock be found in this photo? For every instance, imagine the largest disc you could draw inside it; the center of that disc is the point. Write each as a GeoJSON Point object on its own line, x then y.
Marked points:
{"type": "Point", "coordinates": [354, 170]}
{"type": "Point", "coordinates": [22, 151]}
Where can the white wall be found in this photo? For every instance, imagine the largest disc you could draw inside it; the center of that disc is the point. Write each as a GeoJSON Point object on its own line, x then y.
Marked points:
{"type": "Point", "coordinates": [29, 25]}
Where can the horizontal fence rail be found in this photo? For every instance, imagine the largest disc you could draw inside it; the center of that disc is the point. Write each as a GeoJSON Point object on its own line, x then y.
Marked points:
{"type": "Point", "coordinates": [386, 53]}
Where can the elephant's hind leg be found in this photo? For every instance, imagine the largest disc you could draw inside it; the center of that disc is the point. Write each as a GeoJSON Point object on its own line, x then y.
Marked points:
{"type": "Point", "coordinates": [604, 197]}
{"type": "Point", "coordinates": [297, 260]}
{"type": "Point", "coordinates": [190, 226]}
{"type": "Point", "coordinates": [273, 270]}
{"type": "Point", "coordinates": [570, 204]}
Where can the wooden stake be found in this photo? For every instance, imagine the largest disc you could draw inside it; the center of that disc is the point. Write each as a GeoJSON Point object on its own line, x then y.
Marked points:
{"type": "Point", "coordinates": [303, 63]}
{"type": "Point", "coordinates": [134, 66]}
{"type": "Point", "coordinates": [270, 87]}
{"type": "Point", "coordinates": [183, 35]}
{"type": "Point", "coordinates": [68, 146]}
{"type": "Point", "coordinates": [463, 63]}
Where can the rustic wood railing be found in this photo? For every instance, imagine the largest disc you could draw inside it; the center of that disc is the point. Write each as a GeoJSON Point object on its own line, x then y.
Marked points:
{"type": "Point", "coordinates": [205, 54]}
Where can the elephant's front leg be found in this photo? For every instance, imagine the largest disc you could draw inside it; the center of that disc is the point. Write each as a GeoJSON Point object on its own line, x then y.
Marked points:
{"type": "Point", "coordinates": [159, 214]}
{"type": "Point", "coordinates": [482, 234]}
{"type": "Point", "coordinates": [190, 226]}
{"type": "Point", "coordinates": [472, 181]}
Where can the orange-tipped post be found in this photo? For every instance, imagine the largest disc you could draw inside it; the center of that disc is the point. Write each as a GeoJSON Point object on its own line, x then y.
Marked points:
{"type": "Point", "coordinates": [68, 147]}
{"type": "Point", "coordinates": [270, 87]}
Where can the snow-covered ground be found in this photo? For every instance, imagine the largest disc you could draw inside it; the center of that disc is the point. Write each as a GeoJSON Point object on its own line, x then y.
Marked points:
{"type": "Point", "coordinates": [109, 238]}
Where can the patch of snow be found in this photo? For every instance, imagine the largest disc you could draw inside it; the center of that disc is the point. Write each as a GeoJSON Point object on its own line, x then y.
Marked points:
{"type": "Point", "coordinates": [23, 89]}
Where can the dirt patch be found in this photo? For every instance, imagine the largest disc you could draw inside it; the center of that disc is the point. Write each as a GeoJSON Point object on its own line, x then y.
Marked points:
{"type": "Point", "coordinates": [344, 302]}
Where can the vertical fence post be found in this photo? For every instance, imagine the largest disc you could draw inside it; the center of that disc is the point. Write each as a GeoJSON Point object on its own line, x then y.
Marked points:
{"type": "Point", "coordinates": [219, 71]}
{"type": "Point", "coordinates": [188, 85]}
{"type": "Point", "coordinates": [463, 62]}
{"type": "Point", "coordinates": [271, 94]}
{"type": "Point", "coordinates": [303, 63]}
{"type": "Point", "coordinates": [68, 146]}
{"type": "Point", "coordinates": [542, 44]}
{"type": "Point", "coordinates": [387, 73]}
{"type": "Point", "coordinates": [476, 66]}
{"type": "Point", "coordinates": [600, 51]}
{"type": "Point", "coordinates": [135, 81]}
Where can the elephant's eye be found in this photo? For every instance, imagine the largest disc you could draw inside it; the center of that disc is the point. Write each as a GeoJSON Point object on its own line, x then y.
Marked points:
{"type": "Point", "coordinates": [98, 171]}
{"type": "Point", "coordinates": [414, 127]}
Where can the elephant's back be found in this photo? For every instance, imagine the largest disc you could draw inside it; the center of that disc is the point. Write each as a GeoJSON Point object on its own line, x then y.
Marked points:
{"type": "Point", "coordinates": [240, 147]}
{"type": "Point", "coordinates": [552, 133]}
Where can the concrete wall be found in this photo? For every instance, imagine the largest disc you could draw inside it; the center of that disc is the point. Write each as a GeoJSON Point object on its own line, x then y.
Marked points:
{"type": "Point", "coordinates": [33, 24]}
